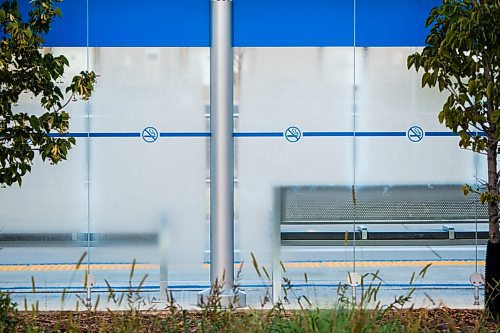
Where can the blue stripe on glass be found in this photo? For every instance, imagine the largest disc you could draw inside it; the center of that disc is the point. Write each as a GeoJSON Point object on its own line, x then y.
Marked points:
{"type": "Point", "coordinates": [257, 134]}
{"type": "Point", "coordinates": [185, 134]}
{"type": "Point", "coordinates": [360, 134]}
{"type": "Point", "coordinates": [115, 135]}
{"type": "Point", "coordinates": [67, 135]}
{"type": "Point", "coordinates": [57, 289]}
{"type": "Point", "coordinates": [328, 133]}
{"type": "Point", "coordinates": [253, 134]}
{"type": "Point", "coordinates": [441, 134]}
{"type": "Point", "coordinates": [451, 133]}
{"type": "Point", "coordinates": [380, 134]}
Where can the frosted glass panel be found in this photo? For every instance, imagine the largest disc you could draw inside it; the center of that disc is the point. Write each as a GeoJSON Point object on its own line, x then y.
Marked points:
{"type": "Point", "coordinates": [307, 88]}
{"type": "Point", "coordinates": [389, 99]}
{"type": "Point", "coordinates": [48, 214]}
{"type": "Point", "coordinates": [52, 198]}
{"type": "Point", "coordinates": [147, 185]}
{"type": "Point", "coordinates": [409, 170]}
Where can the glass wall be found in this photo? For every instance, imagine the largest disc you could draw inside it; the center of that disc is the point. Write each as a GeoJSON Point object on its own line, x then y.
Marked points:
{"type": "Point", "coordinates": [148, 162]}
{"type": "Point", "coordinates": [328, 140]}
{"type": "Point", "coordinates": [409, 173]}
{"type": "Point", "coordinates": [282, 90]}
{"type": "Point", "coordinates": [50, 207]}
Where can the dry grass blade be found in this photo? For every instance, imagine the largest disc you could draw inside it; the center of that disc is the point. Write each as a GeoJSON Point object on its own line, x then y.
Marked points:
{"type": "Point", "coordinates": [282, 266]}
{"type": "Point", "coordinates": [139, 287]}
{"type": "Point", "coordinates": [132, 271]}
{"type": "Point", "coordinates": [255, 265]}
{"type": "Point", "coordinates": [268, 276]}
{"type": "Point", "coordinates": [424, 270]}
{"type": "Point", "coordinates": [97, 303]}
{"type": "Point", "coordinates": [33, 288]}
{"type": "Point", "coordinates": [79, 263]}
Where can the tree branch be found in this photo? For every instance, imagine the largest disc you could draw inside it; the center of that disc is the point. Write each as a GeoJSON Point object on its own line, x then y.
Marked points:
{"type": "Point", "coordinates": [482, 129]}
{"type": "Point", "coordinates": [463, 87]}
{"type": "Point", "coordinates": [479, 152]}
{"type": "Point", "coordinates": [65, 104]}
{"type": "Point", "coordinates": [495, 217]}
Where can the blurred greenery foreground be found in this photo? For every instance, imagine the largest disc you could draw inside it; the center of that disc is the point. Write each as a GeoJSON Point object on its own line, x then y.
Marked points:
{"type": "Point", "coordinates": [293, 313]}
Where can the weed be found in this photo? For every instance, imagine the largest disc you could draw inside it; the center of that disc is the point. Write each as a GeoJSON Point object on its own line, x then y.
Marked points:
{"type": "Point", "coordinates": [8, 313]}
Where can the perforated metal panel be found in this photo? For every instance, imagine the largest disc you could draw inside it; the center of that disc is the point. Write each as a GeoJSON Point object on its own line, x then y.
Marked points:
{"type": "Point", "coordinates": [316, 203]}
{"type": "Point", "coordinates": [385, 203]}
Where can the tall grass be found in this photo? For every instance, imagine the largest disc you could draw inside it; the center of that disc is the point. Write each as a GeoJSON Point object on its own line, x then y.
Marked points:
{"type": "Point", "coordinates": [365, 314]}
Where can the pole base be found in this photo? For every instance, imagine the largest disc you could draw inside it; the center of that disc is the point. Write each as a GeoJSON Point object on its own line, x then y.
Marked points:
{"type": "Point", "coordinates": [225, 300]}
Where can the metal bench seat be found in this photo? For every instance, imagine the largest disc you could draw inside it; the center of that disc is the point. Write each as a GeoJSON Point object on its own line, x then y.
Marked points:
{"type": "Point", "coordinates": [384, 215]}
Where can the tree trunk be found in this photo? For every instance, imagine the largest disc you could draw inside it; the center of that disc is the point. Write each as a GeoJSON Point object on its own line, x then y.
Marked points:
{"type": "Point", "coordinates": [492, 269]}
{"type": "Point", "coordinates": [493, 191]}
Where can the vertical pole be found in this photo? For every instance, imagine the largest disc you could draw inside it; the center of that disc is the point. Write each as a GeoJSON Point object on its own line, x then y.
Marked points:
{"type": "Point", "coordinates": [276, 251]}
{"type": "Point", "coordinates": [222, 155]}
{"type": "Point", "coordinates": [221, 145]}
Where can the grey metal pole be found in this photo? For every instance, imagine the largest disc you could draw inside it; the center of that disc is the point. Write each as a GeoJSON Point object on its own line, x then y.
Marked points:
{"type": "Point", "coordinates": [222, 157]}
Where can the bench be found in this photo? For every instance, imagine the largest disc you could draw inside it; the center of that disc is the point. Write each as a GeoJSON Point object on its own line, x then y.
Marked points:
{"type": "Point", "coordinates": [383, 214]}
{"type": "Point", "coordinates": [76, 239]}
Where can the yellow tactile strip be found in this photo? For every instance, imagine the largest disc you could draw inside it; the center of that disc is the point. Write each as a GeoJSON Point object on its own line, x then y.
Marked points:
{"type": "Point", "coordinates": [319, 264]}
{"type": "Point", "coordinates": [327, 264]}
{"type": "Point", "coordinates": [72, 267]}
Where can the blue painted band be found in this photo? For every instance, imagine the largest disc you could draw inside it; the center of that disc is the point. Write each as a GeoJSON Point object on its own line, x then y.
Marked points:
{"type": "Point", "coordinates": [185, 134]}
{"type": "Point", "coordinates": [360, 134]}
{"type": "Point", "coordinates": [452, 133]}
{"type": "Point", "coordinates": [260, 23]}
{"type": "Point", "coordinates": [440, 134]}
{"type": "Point", "coordinates": [204, 286]}
{"type": "Point", "coordinates": [67, 135]}
{"type": "Point", "coordinates": [249, 134]}
{"type": "Point", "coordinates": [321, 134]}
{"type": "Point", "coordinates": [126, 135]}
{"type": "Point", "coordinates": [380, 134]}
{"type": "Point", "coordinates": [381, 261]}
{"type": "Point", "coordinates": [115, 135]}
{"type": "Point", "coordinates": [257, 134]}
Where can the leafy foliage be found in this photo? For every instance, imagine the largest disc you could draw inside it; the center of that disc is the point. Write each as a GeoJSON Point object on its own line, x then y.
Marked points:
{"type": "Point", "coordinates": [8, 314]}
{"type": "Point", "coordinates": [26, 68]}
{"type": "Point", "coordinates": [462, 56]}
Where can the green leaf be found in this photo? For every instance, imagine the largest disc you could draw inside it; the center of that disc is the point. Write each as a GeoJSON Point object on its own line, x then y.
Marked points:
{"type": "Point", "coordinates": [441, 117]}
{"type": "Point", "coordinates": [58, 12]}
{"type": "Point", "coordinates": [472, 86]}
{"type": "Point", "coordinates": [489, 90]}
{"type": "Point", "coordinates": [34, 122]}
{"type": "Point", "coordinates": [410, 61]}
{"type": "Point", "coordinates": [495, 115]}
{"type": "Point", "coordinates": [425, 79]}
{"type": "Point", "coordinates": [64, 60]}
